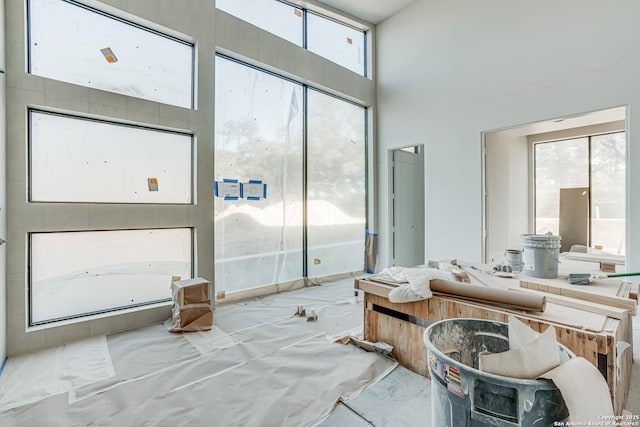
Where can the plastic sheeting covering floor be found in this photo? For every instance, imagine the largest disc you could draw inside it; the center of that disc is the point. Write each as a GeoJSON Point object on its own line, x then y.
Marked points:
{"type": "Point", "coordinates": [261, 366]}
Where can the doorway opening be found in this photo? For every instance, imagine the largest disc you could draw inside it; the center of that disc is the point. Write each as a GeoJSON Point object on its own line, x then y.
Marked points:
{"type": "Point", "coordinates": [407, 206]}
{"type": "Point", "coordinates": [566, 176]}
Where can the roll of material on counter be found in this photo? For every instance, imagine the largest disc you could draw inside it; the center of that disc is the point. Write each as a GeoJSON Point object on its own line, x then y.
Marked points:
{"type": "Point", "coordinates": [502, 297]}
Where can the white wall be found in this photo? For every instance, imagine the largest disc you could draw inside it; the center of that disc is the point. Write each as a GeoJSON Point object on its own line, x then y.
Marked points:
{"type": "Point", "coordinates": [507, 208]}
{"type": "Point", "coordinates": [448, 71]}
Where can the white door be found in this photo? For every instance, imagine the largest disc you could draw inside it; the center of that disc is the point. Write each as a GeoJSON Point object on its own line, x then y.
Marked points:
{"type": "Point", "coordinates": [407, 198]}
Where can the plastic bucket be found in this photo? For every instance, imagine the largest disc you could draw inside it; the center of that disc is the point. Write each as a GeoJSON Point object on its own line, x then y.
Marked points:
{"type": "Point", "coordinates": [463, 396]}
{"type": "Point", "coordinates": [540, 255]}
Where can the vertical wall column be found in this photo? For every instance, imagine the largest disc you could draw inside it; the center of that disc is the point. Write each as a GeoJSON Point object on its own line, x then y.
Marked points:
{"type": "Point", "coordinates": [3, 194]}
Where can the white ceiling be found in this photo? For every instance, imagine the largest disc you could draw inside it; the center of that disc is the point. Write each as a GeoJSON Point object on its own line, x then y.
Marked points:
{"type": "Point", "coordinates": [373, 11]}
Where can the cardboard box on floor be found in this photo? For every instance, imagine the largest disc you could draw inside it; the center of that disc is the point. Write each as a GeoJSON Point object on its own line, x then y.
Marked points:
{"type": "Point", "coordinates": [191, 306]}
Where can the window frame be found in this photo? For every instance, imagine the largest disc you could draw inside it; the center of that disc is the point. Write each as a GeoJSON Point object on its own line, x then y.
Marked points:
{"type": "Point", "coordinates": [305, 90]}
{"type": "Point", "coordinates": [28, 26]}
{"type": "Point", "coordinates": [532, 180]}
{"type": "Point", "coordinates": [305, 34]}
{"type": "Point", "coordinates": [365, 59]}
{"type": "Point", "coordinates": [98, 313]}
{"type": "Point", "coordinates": [102, 120]}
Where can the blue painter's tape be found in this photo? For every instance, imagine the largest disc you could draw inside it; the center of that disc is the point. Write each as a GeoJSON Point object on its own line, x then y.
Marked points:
{"type": "Point", "coordinates": [253, 198]}
{"type": "Point", "coordinates": [215, 188]}
{"type": "Point", "coordinates": [255, 181]}
{"type": "Point", "coordinates": [6, 359]}
{"type": "Point", "coordinates": [230, 198]}
{"type": "Point", "coordinates": [229, 180]}
{"type": "Point", "coordinates": [241, 190]}
{"type": "Point", "coordinates": [264, 192]}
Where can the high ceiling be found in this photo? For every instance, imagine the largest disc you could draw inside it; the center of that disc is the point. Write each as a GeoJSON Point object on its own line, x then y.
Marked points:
{"type": "Point", "coordinates": [374, 11]}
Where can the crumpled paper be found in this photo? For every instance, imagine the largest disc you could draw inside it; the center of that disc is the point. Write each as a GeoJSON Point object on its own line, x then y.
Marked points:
{"type": "Point", "coordinates": [416, 287]}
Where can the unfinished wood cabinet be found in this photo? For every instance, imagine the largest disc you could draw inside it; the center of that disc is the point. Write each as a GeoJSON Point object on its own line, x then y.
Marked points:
{"type": "Point", "coordinates": [403, 325]}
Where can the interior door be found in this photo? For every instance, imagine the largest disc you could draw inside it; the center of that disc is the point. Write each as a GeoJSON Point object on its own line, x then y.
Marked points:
{"type": "Point", "coordinates": [408, 206]}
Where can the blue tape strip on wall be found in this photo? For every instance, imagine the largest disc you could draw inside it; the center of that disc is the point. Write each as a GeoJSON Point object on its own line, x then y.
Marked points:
{"type": "Point", "coordinates": [215, 188]}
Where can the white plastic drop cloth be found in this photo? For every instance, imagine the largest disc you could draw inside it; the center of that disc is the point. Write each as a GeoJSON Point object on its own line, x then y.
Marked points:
{"type": "Point", "coordinates": [283, 371]}
{"type": "Point", "coordinates": [35, 376]}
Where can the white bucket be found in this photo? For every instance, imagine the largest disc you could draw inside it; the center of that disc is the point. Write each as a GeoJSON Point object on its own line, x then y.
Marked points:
{"type": "Point", "coordinates": [540, 255]}
{"type": "Point", "coordinates": [513, 258]}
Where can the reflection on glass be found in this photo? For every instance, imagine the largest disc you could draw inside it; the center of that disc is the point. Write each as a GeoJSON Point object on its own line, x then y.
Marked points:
{"type": "Point", "coordinates": [336, 42]}
{"type": "Point", "coordinates": [558, 164]}
{"type": "Point", "coordinates": [278, 18]}
{"type": "Point", "coordinates": [80, 273]}
{"type": "Point", "coordinates": [608, 154]}
{"type": "Point", "coordinates": [82, 160]}
{"type": "Point", "coordinates": [258, 135]}
{"type": "Point", "coordinates": [79, 45]}
{"type": "Point", "coordinates": [335, 185]}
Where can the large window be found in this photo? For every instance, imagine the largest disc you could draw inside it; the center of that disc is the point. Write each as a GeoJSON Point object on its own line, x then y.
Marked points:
{"type": "Point", "coordinates": [260, 135]}
{"type": "Point", "coordinates": [595, 163]}
{"type": "Point", "coordinates": [333, 40]}
{"type": "Point", "coordinates": [608, 191]}
{"type": "Point", "coordinates": [73, 159]}
{"type": "Point", "coordinates": [76, 44]}
{"type": "Point", "coordinates": [337, 42]}
{"type": "Point", "coordinates": [75, 274]}
{"type": "Point", "coordinates": [282, 19]}
{"type": "Point", "coordinates": [336, 185]}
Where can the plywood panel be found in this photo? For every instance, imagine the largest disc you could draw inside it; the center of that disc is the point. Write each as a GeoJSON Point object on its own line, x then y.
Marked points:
{"type": "Point", "coordinates": [586, 294]}
{"type": "Point", "coordinates": [407, 341]}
